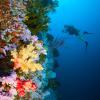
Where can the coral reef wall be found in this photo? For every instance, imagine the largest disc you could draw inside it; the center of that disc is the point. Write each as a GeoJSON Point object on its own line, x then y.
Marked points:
{"type": "Point", "coordinates": [26, 62]}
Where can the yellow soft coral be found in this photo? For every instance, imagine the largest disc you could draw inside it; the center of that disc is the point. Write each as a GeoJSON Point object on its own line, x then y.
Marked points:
{"type": "Point", "coordinates": [25, 58]}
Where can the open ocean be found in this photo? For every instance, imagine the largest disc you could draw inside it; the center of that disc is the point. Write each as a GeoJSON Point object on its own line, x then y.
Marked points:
{"type": "Point", "coordinates": [79, 70]}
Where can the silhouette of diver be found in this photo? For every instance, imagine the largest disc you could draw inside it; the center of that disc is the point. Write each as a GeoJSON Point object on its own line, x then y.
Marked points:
{"type": "Point", "coordinates": [71, 30]}
{"type": "Point", "coordinates": [74, 31]}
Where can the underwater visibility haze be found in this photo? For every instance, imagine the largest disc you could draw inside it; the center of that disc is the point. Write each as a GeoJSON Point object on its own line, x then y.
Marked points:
{"type": "Point", "coordinates": [49, 49]}
{"type": "Point", "coordinates": [79, 62]}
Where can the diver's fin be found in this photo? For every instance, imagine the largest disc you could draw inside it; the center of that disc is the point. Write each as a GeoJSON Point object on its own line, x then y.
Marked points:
{"type": "Point", "coordinates": [86, 45]}
{"type": "Point", "coordinates": [87, 33]}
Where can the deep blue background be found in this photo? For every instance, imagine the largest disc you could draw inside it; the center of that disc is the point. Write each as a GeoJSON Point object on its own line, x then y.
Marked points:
{"type": "Point", "coordinates": [79, 71]}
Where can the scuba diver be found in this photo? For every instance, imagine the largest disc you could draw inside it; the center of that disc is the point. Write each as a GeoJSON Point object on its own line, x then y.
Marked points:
{"type": "Point", "coordinates": [71, 30]}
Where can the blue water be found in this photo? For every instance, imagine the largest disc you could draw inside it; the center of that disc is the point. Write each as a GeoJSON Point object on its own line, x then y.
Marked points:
{"type": "Point", "coordinates": [79, 71]}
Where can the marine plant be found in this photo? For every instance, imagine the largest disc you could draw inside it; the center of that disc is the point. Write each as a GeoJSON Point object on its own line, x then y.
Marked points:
{"type": "Point", "coordinates": [37, 18]}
